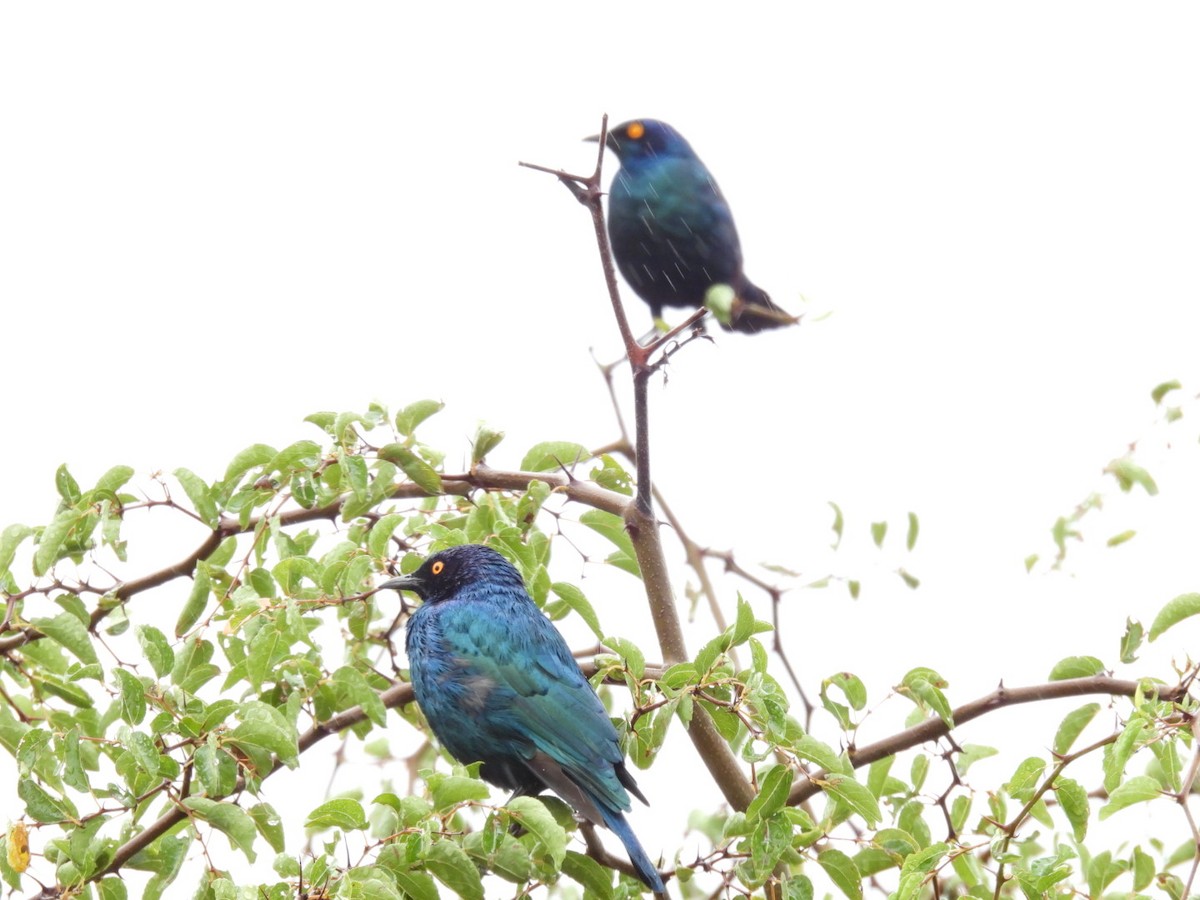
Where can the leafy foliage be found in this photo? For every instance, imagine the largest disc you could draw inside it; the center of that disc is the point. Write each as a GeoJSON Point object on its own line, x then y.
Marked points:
{"type": "Point", "coordinates": [134, 743]}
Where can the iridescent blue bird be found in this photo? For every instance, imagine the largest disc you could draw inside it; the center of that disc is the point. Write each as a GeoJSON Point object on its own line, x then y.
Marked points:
{"type": "Point", "coordinates": [671, 230]}
{"type": "Point", "coordinates": [498, 685]}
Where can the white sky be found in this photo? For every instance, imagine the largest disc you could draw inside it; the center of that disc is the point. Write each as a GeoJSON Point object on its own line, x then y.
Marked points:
{"type": "Point", "coordinates": [217, 219]}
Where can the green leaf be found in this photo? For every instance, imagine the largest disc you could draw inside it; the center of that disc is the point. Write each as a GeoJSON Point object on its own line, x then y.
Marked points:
{"type": "Point", "coordinates": [39, 805]}
{"type": "Point", "coordinates": [355, 468]}
{"type": "Point", "coordinates": [842, 872]}
{"type": "Point", "coordinates": [610, 474]}
{"type": "Point", "coordinates": [51, 540]}
{"type": "Point", "coordinates": [1117, 754]}
{"type": "Point", "coordinates": [533, 816]}
{"type": "Point", "coordinates": [613, 528]}
{"type": "Point", "coordinates": [290, 574]}
{"type": "Point", "coordinates": [839, 524]}
{"type": "Point", "coordinates": [1131, 641]}
{"type": "Point", "coordinates": [746, 625]}
{"type": "Point", "coordinates": [1074, 802]}
{"type": "Point", "coordinates": [879, 780]}
{"type": "Point", "coordinates": [821, 754]}
{"type": "Point", "coordinates": [1026, 778]}
{"type": "Point", "coordinates": [719, 300]}
{"type": "Point", "coordinates": [418, 471]}
{"type": "Point", "coordinates": [191, 655]}
{"type": "Point", "coordinates": [596, 880]}
{"type": "Point", "coordinates": [852, 688]}
{"type": "Point", "coordinates": [920, 769]}
{"type": "Point", "coordinates": [355, 684]}
{"type": "Point", "coordinates": [414, 414]}
{"type": "Point", "coordinates": [72, 760]}
{"type": "Point", "coordinates": [575, 599]}
{"type": "Point", "coordinates": [1170, 766]}
{"type": "Point", "coordinates": [923, 686]}
{"type": "Point", "coordinates": [201, 496]}
{"type": "Point", "coordinates": [879, 532]}
{"type": "Point", "coordinates": [67, 487]}
{"type": "Point", "coordinates": [798, 887]}
{"type": "Point", "coordinates": [67, 630]}
{"type": "Point", "coordinates": [297, 457]}
{"type": "Point", "coordinates": [959, 812]}
{"type": "Point", "coordinates": [1138, 789]}
{"type": "Point", "coordinates": [854, 796]}
{"type": "Point", "coordinates": [1144, 869]}
{"type": "Point", "coordinates": [451, 866]}
{"type": "Point", "coordinates": [34, 751]}
{"type": "Point", "coordinates": [342, 813]}
{"type": "Point", "coordinates": [1160, 391]}
{"type": "Point", "coordinates": [112, 481]}
{"type": "Point", "coordinates": [1123, 537]}
{"type": "Point", "coordinates": [269, 824]}
{"type": "Point", "coordinates": [486, 440]}
{"type": "Point", "coordinates": [449, 791]}
{"type": "Point", "coordinates": [55, 685]}
{"type": "Point", "coordinates": [416, 885]}
{"type": "Point", "coordinates": [132, 696]}
{"type": "Point", "coordinates": [10, 539]}
{"type": "Point", "coordinates": [551, 455]}
{"type": "Point", "coordinates": [141, 747]}
{"type": "Point", "coordinates": [196, 602]}
{"type": "Point", "coordinates": [228, 818]}
{"type": "Point", "coordinates": [264, 726]}
{"type": "Point", "coordinates": [630, 653]}
{"type": "Point", "coordinates": [381, 534]}
{"type": "Point", "coordinates": [216, 770]}
{"type": "Point", "coordinates": [155, 648]}
{"type": "Point", "coordinates": [1102, 870]}
{"type": "Point", "coordinates": [773, 787]}
{"type": "Point", "coordinates": [1128, 473]}
{"type": "Point", "coordinates": [914, 528]}
{"type": "Point", "coordinates": [971, 754]}
{"type": "Point", "coordinates": [254, 455]}
{"type": "Point", "coordinates": [1174, 612]}
{"type": "Point", "coordinates": [1072, 725]}
{"type": "Point", "coordinates": [1076, 667]}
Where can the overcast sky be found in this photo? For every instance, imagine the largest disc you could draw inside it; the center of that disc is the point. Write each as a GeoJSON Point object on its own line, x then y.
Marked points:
{"type": "Point", "coordinates": [216, 219]}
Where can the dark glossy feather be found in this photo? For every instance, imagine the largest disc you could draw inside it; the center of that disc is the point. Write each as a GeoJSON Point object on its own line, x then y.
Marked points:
{"type": "Point", "coordinates": [498, 685]}
{"type": "Point", "coordinates": [672, 231]}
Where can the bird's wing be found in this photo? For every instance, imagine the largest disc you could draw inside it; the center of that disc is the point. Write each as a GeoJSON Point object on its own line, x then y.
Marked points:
{"type": "Point", "coordinates": [688, 203]}
{"type": "Point", "coordinates": [537, 703]}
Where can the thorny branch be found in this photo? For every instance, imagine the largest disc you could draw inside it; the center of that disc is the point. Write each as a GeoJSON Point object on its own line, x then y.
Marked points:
{"type": "Point", "coordinates": [934, 728]}
{"type": "Point", "coordinates": [1010, 829]}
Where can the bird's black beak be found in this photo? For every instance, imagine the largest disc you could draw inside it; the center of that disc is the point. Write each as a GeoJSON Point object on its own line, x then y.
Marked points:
{"type": "Point", "coordinates": [403, 583]}
{"type": "Point", "coordinates": [611, 143]}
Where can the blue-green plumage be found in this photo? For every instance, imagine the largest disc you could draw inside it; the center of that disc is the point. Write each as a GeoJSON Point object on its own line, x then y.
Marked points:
{"type": "Point", "coordinates": [672, 231]}
{"type": "Point", "coordinates": [498, 685]}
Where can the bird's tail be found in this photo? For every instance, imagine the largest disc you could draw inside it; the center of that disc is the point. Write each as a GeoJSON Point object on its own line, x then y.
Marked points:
{"type": "Point", "coordinates": [619, 825]}
{"type": "Point", "coordinates": [754, 311]}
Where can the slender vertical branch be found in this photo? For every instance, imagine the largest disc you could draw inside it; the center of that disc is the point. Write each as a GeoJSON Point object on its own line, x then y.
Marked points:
{"type": "Point", "coordinates": [713, 749]}
{"type": "Point", "coordinates": [641, 424]}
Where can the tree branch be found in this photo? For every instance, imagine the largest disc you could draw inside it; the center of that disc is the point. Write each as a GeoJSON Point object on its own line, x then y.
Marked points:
{"type": "Point", "coordinates": [932, 729]}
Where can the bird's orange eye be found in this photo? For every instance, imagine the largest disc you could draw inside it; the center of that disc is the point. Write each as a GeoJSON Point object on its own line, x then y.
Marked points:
{"type": "Point", "coordinates": [635, 130]}
{"type": "Point", "coordinates": [437, 567]}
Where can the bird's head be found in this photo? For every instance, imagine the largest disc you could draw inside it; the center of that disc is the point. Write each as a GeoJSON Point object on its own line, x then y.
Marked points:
{"type": "Point", "coordinates": [643, 139]}
{"type": "Point", "coordinates": [448, 571]}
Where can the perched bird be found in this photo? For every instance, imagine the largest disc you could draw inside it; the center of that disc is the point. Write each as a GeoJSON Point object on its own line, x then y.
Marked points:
{"type": "Point", "coordinates": [671, 230]}
{"type": "Point", "coordinates": [498, 684]}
